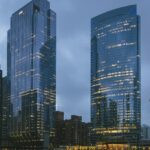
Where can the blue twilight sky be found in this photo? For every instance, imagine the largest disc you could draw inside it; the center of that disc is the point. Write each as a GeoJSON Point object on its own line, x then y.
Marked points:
{"type": "Point", "coordinates": [73, 49]}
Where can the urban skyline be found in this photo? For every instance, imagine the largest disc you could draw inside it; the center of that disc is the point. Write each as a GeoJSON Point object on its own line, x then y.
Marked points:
{"type": "Point", "coordinates": [66, 99]}
{"type": "Point", "coordinates": [29, 118]}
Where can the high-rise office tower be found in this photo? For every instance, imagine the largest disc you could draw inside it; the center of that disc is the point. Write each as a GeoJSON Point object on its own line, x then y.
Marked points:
{"type": "Point", "coordinates": [115, 76]}
{"type": "Point", "coordinates": [32, 74]}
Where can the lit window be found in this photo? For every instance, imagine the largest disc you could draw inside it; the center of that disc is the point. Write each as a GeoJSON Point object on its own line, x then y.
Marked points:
{"type": "Point", "coordinates": [20, 12]}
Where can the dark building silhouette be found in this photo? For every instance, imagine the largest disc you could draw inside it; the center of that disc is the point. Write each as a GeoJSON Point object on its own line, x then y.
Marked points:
{"type": "Point", "coordinates": [60, 129]}
{"type": "Point", "coordinates": [6, 113]}
{"type": "Point", "coordinates": [71, 132]}
{"type": "Point", "coordinates": [1, 105]}
{"type": "Point", "coordinates": [32, 75]}
{"type": "Point", "coordinates": [59, 116]}
{"type": "Point", "coordinates": [115, 76]}
{"type": "Point", "coordinates": [146, 132]}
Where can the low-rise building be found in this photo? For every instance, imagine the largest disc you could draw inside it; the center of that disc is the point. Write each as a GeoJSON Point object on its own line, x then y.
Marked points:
{"type": "Point", "coordinates": [71, 132]}
{"type": "Point", "coordinates": [146, 132]}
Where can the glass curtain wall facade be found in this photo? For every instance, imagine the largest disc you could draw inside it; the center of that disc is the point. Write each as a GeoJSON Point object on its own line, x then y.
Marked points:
{"type": "Point", "coordinates": [32, 73]}
{"type": "Point", "coordinates": [115, 76]}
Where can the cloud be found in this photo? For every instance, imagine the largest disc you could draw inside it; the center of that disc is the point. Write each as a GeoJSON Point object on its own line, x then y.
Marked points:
{"type": "Point", "coordinates": [73, 82]}
{"type": "Point", "coordinates": [145, 93]}
{"type": "Point", "coordinates": [3, 45]}
{"type": "Point", "coordinates": [73, 49]}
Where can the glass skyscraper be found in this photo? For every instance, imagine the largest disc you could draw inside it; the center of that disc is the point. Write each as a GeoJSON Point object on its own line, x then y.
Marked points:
{"type": "Point", "coordinates": [32, 74]}
{"type": "Point", "coordinates": [115, 76]}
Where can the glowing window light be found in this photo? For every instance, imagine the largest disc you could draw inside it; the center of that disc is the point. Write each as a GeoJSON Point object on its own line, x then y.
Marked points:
{"type": "Point", "coordinates": [20, 12]}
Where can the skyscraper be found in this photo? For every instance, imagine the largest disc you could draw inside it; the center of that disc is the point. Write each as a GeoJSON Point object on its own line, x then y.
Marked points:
{"type": "Point", "coordinates": [32, 74]}
{"type": "Point", "coordinates": [115, 76]}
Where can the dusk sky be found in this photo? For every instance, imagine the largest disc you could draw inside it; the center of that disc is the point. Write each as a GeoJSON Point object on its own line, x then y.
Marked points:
{"type": "Point", "coordinates": [73, 49]}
